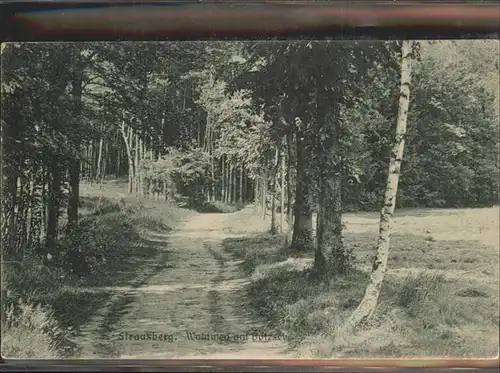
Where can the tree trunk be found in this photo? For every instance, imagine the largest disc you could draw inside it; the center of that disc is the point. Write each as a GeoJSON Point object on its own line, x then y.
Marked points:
{"type": "Point", "coordinates": [99, 161]}
{"type": "Point", "coordinates": [53, 207]}
{"type": "Point", "coordinates": [44, 203]}
{"type": "Point", "coordinates": [245, 187]}
{"type": "Point", "coordinates": [212, 182]}
{"type": "Point", "coordinates": [282, 207]}
{"type": "Point", "coordinates": [319, 257]}
{"type": "Point", "coordinates": [151, 154]}
{"type": "Point", "coordinates": [30, 218]}
{"type": "Point", "coordinates": [131, 170]}
{"type": "Point", "coordinates": [227, 183]}
{"type": "Point", "coordinates": [126, 139]}
{"type": "Point", "coordinates": [277, 157]}
{"type": "Point", "coordinates": [329, 221]}
{"type": "Point", "coordinates": [223, 180]}
{"type": "Point", "coordinates": [74, 164]}
{"type": "Point", "coordinates": [105, 163]}
{"type": "Point", "coordinates": [88, 164]}
{"type": "Point", "coordinates": [119, 161]}
{"type": "Point", "coordinates": [329, 237]}
{"type": "Point", "coordinates": [289, 210]}
{"type": "Point", "coordinates": [230, 182]}
{"type": "Point", "coordinates": [256, 194]}
{"type": "Point", "coordinates": [211, 190]}
{"type": "Point", "coordinates": [368, 305]}
{"type": "Point", "coordinates": [233, 176]}
{"type": "Point", "coordinates": [136, 163]}
{"type": "Point", "coordinates": [152, 188]}
{"type": "Point", "coordinates": [140, 172]}
{"type": "Point", "coordinates": [10, 229]}
{"type": "Point", "coordinates": [170, 189]}
{"type": "Point", "coordinates": [264, 194]}
{"type": "Point", "coordinates": [241, 183]}
{"type": "Point", "coordinates": [332, 231]}
{"type": "Point", "coordinates": [302, 227]}
{"type": "Point", "coordinates": [91, 162]}
{"type": "Point", "coordinates": [22, 214]}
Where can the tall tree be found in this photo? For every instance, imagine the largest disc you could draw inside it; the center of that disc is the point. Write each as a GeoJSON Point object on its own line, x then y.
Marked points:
{"type": "Point", "coordinates": [369, 302]}
{"type": "Point", "coordinates": [74, 164]}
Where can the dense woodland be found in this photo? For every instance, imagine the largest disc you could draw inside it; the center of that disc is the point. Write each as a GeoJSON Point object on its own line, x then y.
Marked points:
{"type": "Point", "coordinates": [303, 128]}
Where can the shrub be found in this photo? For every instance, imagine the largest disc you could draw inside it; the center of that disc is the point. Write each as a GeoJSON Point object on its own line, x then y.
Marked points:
{"type": "Point", "coordinates": [32, 280]}
{"type": "Point", "coordinates": [97, 239]}
{"type": "Point", "coordinates": [30, 331]}
{"type": "Point", "coordinates": [416, 291]}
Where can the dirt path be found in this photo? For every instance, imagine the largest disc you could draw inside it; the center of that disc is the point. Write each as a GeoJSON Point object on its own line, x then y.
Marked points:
{"type": "Point", "coordinates": [194, 301]}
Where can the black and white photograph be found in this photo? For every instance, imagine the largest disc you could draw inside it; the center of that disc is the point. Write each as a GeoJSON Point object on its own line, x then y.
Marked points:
{"type": "Point", "coordinates": [264, 199]}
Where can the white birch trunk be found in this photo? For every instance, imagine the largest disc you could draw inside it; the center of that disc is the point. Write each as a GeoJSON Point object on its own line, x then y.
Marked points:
{"type": "Point", "coordinates": [99, 163]}
{"type": "Point", "coordinates": [368, 305]}
{"type": "Point", "coordinates": [129, 156]}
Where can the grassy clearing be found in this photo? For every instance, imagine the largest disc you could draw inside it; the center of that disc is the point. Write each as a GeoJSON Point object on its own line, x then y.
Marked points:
{"type": "Point", "coordinates": [440, 297]}
{"type": "Point", "coordinates": [111, 246]}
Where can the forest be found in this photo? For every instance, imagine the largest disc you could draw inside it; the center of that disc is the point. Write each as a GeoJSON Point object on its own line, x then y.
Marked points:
{"type": "Point", "coordinates": [303, 132]}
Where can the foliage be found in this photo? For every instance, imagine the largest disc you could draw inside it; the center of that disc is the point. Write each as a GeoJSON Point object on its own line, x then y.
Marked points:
{"type": "Point", "coordinates": [86, 250]}
{"type": "Point", "coordinates": [31, 279]}
{"type": "Point", "coordinates": [453, 134]}
{"type": "Point", "coordinates": [191, 171]}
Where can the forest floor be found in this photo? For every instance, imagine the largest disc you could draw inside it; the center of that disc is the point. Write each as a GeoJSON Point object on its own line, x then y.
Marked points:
{"type": "Point", "coordinates": [220, 287]}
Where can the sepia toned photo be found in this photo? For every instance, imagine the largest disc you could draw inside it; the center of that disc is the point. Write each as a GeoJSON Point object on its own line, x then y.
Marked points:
{"type": "Point", "coordinates": [250, 199]}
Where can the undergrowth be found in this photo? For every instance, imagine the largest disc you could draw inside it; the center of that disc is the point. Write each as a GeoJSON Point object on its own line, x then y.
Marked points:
{"type": "Point", "coordinates": [40, 309]}
{"type": "Point", "coordinates": [32, 332]}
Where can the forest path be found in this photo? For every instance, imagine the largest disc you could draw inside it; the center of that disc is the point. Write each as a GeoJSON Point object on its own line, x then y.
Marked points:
{"type": "Point", "coordinates": [195, 296]}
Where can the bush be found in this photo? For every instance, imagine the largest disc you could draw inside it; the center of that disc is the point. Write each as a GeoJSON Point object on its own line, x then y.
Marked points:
{"type": "Point", "coordinates": [31, 332]}
{"type": "Point", "coordinates": [97, 239]}
{"type": "Point", "coordinates": [94, 247]}
{"type": "Point", "coordinates": [429, 300]}
{"type": "Point", "coordinates": [31, 280]}
{"type": "Point", "coordinates": [417, 290]}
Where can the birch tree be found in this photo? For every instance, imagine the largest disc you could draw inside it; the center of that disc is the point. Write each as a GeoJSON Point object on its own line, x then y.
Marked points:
{"type": "Point", "coordinates": [369, 302]}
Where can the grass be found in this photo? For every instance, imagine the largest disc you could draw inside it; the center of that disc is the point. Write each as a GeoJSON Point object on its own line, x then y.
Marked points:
{"type": "Point", "coordinates": [440, 297]}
